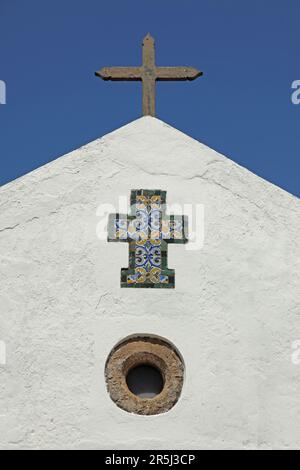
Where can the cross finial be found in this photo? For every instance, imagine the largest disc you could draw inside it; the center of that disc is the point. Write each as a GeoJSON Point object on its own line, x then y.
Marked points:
{"type": "Point", "coordinates": [148, 36]}
{"type": "Point", "coordinates": [148, 73]}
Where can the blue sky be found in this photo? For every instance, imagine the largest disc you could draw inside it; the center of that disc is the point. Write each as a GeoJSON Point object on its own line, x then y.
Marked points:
{"type": "Point", "coordinates": [248, 51]}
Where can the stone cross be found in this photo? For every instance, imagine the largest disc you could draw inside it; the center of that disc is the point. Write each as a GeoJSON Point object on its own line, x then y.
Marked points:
{"type": "Point", "coordinates": [148, 73]}
{"type": "Point", "coordinates": [148, 230]}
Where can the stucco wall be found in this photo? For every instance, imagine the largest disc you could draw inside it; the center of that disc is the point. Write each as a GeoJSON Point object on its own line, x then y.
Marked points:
{"type": "Point", "coordinates": [233, 314]}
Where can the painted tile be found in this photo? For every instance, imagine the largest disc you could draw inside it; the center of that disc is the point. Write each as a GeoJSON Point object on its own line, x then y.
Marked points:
{"type": "Point", "coordinates": [148, 230]}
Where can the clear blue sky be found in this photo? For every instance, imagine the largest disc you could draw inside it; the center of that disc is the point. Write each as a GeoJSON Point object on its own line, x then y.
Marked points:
{"type": "Point", "coordinates": [249, 52]}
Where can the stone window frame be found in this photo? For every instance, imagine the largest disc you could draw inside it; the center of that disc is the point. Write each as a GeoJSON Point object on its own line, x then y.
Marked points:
{"type": "Point", "coordinates": [144, 349]}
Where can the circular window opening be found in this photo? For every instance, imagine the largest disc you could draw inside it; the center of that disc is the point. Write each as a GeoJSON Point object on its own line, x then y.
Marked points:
{"type": "Point", "coordinates": [145, 381]}
{"type": "Point", "coordinates": [144, 374]}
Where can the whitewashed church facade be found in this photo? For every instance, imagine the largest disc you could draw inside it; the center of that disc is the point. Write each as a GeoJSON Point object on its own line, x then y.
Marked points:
{"type": "Point", "coordinates": [221, 336]}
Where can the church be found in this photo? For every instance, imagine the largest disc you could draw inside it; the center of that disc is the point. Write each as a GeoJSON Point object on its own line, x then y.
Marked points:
{"type": "Point", "coordinates": [150, 294]}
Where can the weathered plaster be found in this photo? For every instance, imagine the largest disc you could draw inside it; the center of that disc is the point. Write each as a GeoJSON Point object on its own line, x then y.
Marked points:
{"type": "Point", "coordinates": [233, 315]}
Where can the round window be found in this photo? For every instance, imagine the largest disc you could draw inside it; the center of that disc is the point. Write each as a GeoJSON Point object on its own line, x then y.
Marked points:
{"type": "Point", "coordinates": [144, 375]}
{"type": "Point", "coordinates": [145, 381]}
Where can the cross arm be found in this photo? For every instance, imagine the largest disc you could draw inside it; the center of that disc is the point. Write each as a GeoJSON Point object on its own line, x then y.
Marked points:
{"type": "Point", "coordinates": [120, 73]}
{"type": "Point", "coordinates": [117, 228]}
{"type": "Point", "coordinates": [122, 228]}
{"type": "Point", "coordinates": [177, 73]}
{"type": "Point", "coordinates": [175, 229]}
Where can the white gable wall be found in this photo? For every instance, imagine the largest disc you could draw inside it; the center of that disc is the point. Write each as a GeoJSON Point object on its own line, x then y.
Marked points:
{"type": "Point", "coordinates": [233, 314]}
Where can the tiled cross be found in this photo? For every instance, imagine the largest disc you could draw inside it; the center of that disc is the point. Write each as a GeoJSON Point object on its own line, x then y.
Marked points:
{"type": "Point", "coordinates": [148, 230]}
